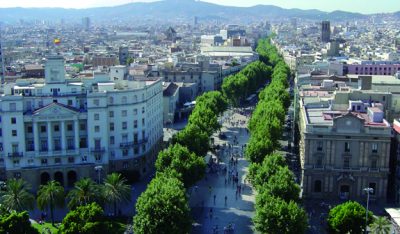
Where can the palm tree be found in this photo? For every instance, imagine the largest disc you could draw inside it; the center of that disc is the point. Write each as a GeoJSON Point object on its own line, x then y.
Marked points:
{"type": "Point", "coordinates": [84, 192]}
{"type": "Point", "coordinates": [116, 190]}
{"type": "Point", "coordinates": [51, 194]}
{"type": "Point", "coordinates": [381, 225]}
{"type": "Point", "coordinates": [16, 195]}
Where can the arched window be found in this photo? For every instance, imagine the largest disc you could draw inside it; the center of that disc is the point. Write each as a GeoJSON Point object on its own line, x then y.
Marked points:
{"type": "Point", "coordinates": [124, 100]}
{"type": "Point", "coordinates": [110, 100]}
{"type": "Point", "coordinates": [135, 98]}
{"type": "Point", "coordinates": [317, 186]}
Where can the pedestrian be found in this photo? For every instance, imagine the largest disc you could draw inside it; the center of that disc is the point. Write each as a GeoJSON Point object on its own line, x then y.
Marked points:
{"type": "Point", "coordinates": [215, 196]}
{"type": "Point", "coordinates": [211, 213]}
{"type": "Point", "coordinates": [226, 199]}
{"type": "Point", "coordinates": [225, 181]}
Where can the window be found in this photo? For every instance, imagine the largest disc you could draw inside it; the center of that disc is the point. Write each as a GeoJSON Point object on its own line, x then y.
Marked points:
{"type": "Point", "coordinates": [124, 125]}
{"type": "Point", "coordinates": [143, 122]}
{"type": "Point", "coordinates": [13, 120]}
{"type": "Point", "coordinates": [111, 114]}
{"type": "Point", "coordinates": [142, 110]}
{"type": "Point", "coordinates": [17, 175]}
{"type": "Point", "coordinates": [346, 147]}
{"type": "Point", "coordinates": [346, 163]}
{"type": "Point", "coordinates": [69, 102]}
{"type": "Point", "coordinates": [374, 163]}
{"type": "Point", "coordinates": [84, 158]}
{"type": "Point", "coordinates": [56, 128]}
{"type": "Point", "coordinates": [69, 127]}
{"type": "Point", "coordinates": [97, 157]}
{"type": "Point", "coordinates": [134, 111]}
{"type": "Point", "coordinates": [57, 160]}
{"type": "Point", "coordinates": [82, 127]}
{"type": "Point", "coordinates": [57, 144]}
{"type": "Point", "coordinates": [143, 148]}
{"type": "Point", "coordinates": [318, 161]}
{"type": "Point", "coordinates": [44, 161]}
{"type": "Point", "coordinates": [111, 127]}
{"type": "Point", "coordinates": [96, 102]}
{"type": "Point", "coordinates": [124, 100]}
{"type": "Point", "coordinates": [96, 128]}
{"type": "Point", "coordinates": [124, 113]}
{"type": "Point", "coordinates": [29, 129]}
{"type": "Point", "coordinates": [373, 186]}
{"type": "Point", "coordinates": [374, 147]}
{"type": "Point", "coordinates": [136, 150]}
{"type": "Point", "coordinates": [317, 186]}
{"type": "Point", "coordinates": [42, 128]}
{"type": "Point", "coordinates": [71, 159]}
{"type": "Point", "coordinates": [82, 142]}
{"type": "Point", "coordinates": [124, 137]}
{"type": "Point", "coordinates": [135, 124]}
{"type": "Point", "coordinates": [110, 100]}
{"type": "Point", "coordinates": [70, 143]}
{"type": "Point", "coordinates": [112, 140]}
{"type": "Point", "coordinates": [320, 145]}
{"type": "Point", "coordinates": [43, 145]}
{"type": "Point", "coordinates": [96, 117]}
{"type": "Point", "coordinates": [14, 132]}
{"type": "Point", "coordinates": [125, 165]}
{"type": "Point", "coordinates": [125, 152]}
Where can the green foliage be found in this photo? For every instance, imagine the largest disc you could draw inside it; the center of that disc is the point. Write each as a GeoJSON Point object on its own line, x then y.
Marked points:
{"type": "Point", "coordinates": [87, 219]}
{"type": "Point", "coordinates": [274, 215]}
{"type": "Point", "coordinates": [189, 166]}
{"type": "Point", "coordinates": [348, 217]}
{"type": "Point", "coordinates": [85, 191]}
{"type": "Point", "coordinates": [205, 119]}
{"type": "Point", "coordinates": [213, 100]}
{"type": "Point", "coordinates": [116, 190]}
{"type": "Point", "coordinates": [15, 222]}
{"type": "Point", "coordinates": [282, 184]}
{"type": "Point", "coordinates": [163, 208]}
{"type": "Point", "coordinates": [51, 195]}
{"type": "Point", "coordinates": [259, 174]}
{"type": "Point", "coordinates": [194, 139]}
{"type": "Point", "coordinates": [16, 195]}
{"type": "Point", "coordinates": [381, 225]}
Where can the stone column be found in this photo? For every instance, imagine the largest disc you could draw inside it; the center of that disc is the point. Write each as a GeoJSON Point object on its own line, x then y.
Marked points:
{"type": "Point", "coordinates": [36, 136]}
{"type": "Point", "coordinates": [76, 135]}
{"type": "Point", "coordinates": [49, 136]}
{"type": "Point", "coordinates": [63, 139]}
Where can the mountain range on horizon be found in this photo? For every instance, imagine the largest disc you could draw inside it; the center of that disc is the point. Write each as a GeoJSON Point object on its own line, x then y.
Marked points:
{"type": "Point", "coordinates": [174, 9]}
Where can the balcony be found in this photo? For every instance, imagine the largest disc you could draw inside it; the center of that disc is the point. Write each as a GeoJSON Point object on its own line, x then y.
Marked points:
{"type": "Point", "coordinates": [133, 143]}
{"type": "Point", "coordinates": [98, 150]}
{"type": "Point", "coordinates": [16, 155]}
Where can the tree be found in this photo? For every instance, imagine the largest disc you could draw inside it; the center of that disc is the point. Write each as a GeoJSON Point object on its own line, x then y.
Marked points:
{"type": "Point", "coordinates": [348, 217]}
{"type": "Point", "coordinates": [15, 222]}
{"type": "Point", "coordinates": [381, 225]}
{"type": "Point", "coordinates": [258, 147]}
{"type": "Point", "coordinates": [282, 184]}
{"type": "Point", "coordinates": [51, 195]}
{"type": "Point", "coordinates": [274, 215]}
{"type": "Point", "coordinates": [116, 190]}
{"type": "Point", "coordinates": [87, 219]}
{"type": "Point", "coordinates": [194, 139]}
{"type": "Point", "coordinates": [16, 197]}
{"type": "Point", "coordinates": [259, 174]}
{"type": "Point", "coordinates": [190, 166]}
{"type": "Point", "coordinates": [84, 192]}
{"type": "Point", "coordinates": [162, 208]}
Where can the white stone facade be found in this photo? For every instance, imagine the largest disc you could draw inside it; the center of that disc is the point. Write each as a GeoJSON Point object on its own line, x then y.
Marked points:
{"type": "Point", "coordinates": [62, 128]}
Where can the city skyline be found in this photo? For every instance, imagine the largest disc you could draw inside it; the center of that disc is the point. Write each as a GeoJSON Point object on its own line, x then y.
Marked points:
{"type": "Point", "coordinates": [325, 5]}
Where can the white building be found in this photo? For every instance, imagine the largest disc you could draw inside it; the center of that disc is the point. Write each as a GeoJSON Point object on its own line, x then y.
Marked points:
{"type": "Point", "coordinates": [61, 128]}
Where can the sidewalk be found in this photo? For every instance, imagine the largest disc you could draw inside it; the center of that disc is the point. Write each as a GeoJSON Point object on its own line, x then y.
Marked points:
{"type": "Point", "coordinates": [239, 209]}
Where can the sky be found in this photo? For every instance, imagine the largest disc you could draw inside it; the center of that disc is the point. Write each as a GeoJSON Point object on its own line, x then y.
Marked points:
{"type": "Point", "coordinates": [362, 6]}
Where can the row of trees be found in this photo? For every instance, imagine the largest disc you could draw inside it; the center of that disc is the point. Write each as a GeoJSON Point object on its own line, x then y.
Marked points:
{"type": "Point", "coordinates": [16, 196]}
{"type": "Point", "coordinates": [236, 88]}
{"type": "Point", "coordinates": [277, 208]}
{"type": "Point", "coordinates": [163, 207]}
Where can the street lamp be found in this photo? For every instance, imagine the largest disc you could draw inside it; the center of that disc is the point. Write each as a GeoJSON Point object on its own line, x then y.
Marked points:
{"type": "Point", "coordinates": [98, 169]}
{"type": "Point", "coordinates": [368, 191]}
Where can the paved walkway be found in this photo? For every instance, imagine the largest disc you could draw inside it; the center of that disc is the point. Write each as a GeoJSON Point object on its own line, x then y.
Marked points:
{"type": "Point", "coordinates": [239, 208]}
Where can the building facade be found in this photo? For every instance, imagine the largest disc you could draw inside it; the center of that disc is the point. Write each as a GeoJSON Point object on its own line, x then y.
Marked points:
{"type": "Point", "coordinates": [62, 128]}
{"type": "Point", "coordinates": [325, 31]}
{"type": "Point", "coordinates": [343, 152]}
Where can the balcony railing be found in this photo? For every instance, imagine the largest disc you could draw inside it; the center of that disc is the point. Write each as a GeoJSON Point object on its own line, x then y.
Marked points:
{"type": "Point", "coordinates": [133, 143]}
{"type": "Point", "coordinates": [16, 154]}
{"type": "Point", "coordinates": [98, 150]}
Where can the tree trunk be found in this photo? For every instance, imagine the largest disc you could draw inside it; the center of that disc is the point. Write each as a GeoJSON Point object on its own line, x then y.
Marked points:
{"type": "Point", "coordinates": [115, 208]}
{"type": "Point", "coordinates": [52, 212]}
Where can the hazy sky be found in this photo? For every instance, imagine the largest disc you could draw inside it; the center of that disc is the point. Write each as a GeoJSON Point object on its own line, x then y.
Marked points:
{"type": "Point", "coordinates": [364, 6]}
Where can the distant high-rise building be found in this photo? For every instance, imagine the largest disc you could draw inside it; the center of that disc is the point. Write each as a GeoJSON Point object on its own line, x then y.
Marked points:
{"type": "Point", "coordinates": [2, 66]}
{"type": "Point", "coordinates": [195, 21]}
{"type": "Point", "coordinates": [326, 31]}
{"type": "Point", "coordinates": [86, 23]}
{"type": "Point", "coordinates": [123, 54]}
